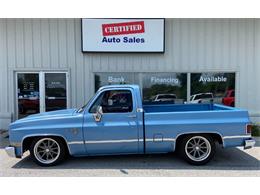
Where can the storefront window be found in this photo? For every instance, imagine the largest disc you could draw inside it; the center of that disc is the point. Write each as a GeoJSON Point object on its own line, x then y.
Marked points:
{"type": "Point", "coordinates": [213, 87]}
{"type": "Point", "coordinates": [102, 79]}
{"type": "Point", "coordinates": [172, 87]}
{"type": "Point", "coordinates": [28, 94]}
{"type": "Point", "coordinates": [164, 88]}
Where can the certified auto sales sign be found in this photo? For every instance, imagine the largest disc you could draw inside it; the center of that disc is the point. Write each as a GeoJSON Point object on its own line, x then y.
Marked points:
{"type": "Point", "coordinates": [123, 35]}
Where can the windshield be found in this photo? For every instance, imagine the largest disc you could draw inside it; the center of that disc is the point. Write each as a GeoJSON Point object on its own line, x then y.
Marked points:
{"type": "Point", "coordinates": [84, 106]}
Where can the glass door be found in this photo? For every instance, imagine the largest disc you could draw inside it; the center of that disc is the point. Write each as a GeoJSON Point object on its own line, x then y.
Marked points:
{"type": "Point", "coordinates": [55, 91]}
{"type": "Point", "coordinates": [28, 94]}
{"type": "Point", "coordinates": [41, 92]}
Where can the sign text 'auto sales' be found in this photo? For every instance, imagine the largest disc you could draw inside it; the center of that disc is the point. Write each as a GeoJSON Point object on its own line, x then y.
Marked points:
{"type": "Point", "coordinates": [123, 35]}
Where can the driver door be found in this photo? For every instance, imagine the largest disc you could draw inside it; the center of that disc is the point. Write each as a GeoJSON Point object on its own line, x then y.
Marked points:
{"type": "Point", "coordinates": [117, 130]}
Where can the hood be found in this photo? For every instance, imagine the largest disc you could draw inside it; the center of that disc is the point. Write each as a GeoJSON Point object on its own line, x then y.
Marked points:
{"type": "Point", "coordinates": [46, 115]}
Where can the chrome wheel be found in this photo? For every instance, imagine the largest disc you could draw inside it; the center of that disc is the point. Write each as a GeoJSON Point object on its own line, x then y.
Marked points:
{"type": "Point", "coordinates": [198, 148]}
{"type": "Point", "coordinates": [46, 150]}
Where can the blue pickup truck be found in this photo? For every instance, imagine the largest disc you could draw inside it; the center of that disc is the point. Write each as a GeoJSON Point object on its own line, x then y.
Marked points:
{"type": "Point", "coordinates": [115, 122]}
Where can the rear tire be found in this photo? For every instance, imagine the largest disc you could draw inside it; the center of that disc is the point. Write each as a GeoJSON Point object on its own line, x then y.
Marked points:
{"type": "Point", "coordinates": [197, 149]}
{"type": "Point", "coordinates": [47, 151]}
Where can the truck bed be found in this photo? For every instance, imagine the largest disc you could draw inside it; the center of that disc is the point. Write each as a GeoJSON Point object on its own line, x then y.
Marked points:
{"type": "Point", "coordinates": [164, 122]}
{"type": "Point", "coordinates": [184, 107]}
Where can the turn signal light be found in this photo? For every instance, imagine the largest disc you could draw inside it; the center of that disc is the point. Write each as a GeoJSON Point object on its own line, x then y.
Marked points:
{"type": "Point", "coordinates": [249, 129]}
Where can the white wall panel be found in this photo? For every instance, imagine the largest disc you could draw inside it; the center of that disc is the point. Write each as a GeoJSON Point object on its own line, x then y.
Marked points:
{"type": "Point", "coordinates": [254, 78]}
{"type": "Point", "coordinates": [19, 43]}
{"type": "Point", "coordinates": [3, 66]}
{"type": "Point", "coordinates": [54, 49]}
{"type": "Point", "coordinates": [10, 46]}
{"type": "Point", "coordinates": [45, 43]}
{"type": "Point", "coordinates": [37, 47]}
{"type": "Point", "coordinates": [28, 43]}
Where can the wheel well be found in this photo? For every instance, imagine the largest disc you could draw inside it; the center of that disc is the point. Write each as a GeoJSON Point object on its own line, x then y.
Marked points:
{"type": "Point", "coordinates": [28, 141]}
{"type": "Point", "coordinates": [215, 136]}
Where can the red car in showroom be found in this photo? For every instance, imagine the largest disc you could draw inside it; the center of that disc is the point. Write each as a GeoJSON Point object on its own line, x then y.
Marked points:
{"type": "Point", "coordinates": [229, 99]}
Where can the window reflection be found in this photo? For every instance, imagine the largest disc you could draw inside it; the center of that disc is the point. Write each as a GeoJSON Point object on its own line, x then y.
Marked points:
{"type": "Point", "coordinates": [55, 91]}
{"type": "Point", "coordinates": [172, 87]}
{"type": "Point", "coordinates": [102, 79]}
{"type": "Point", "coordinates": [213, 87]}
{"type": "Point", "coordinates": [28, 94]}
{"type": "Point", "coordinates": [164, 88]}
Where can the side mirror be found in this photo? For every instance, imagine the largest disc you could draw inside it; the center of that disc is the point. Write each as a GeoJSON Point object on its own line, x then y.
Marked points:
{"type": "Point", "coordinates": [98, 115]}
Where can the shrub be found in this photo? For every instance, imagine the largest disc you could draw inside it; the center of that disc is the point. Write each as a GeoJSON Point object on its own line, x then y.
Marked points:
{"type": "Point", "coordinates": [256, 130]}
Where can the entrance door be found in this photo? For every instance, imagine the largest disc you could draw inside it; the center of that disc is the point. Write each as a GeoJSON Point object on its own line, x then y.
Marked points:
{"type": "Point", "coordinates": [40, 92]}
{"type": "Point", "coordinates": [28, 94]}
{"type": "Point", "coordinates": [55, 91]}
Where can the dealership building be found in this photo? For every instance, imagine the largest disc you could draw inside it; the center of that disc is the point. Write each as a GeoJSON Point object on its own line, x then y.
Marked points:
{"type": "Point", "coordinates": [51, 64]}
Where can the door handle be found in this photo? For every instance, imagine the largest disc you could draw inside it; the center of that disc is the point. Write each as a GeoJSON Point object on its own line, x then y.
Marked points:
{"type": "Point", "coordinates": [132, 116]}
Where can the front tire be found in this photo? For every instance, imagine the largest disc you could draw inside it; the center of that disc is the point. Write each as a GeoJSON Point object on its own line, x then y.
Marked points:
{"type": "Point", "coordinates": [47, 151]}
{"type": "Point", "coordinates": [197, 149]}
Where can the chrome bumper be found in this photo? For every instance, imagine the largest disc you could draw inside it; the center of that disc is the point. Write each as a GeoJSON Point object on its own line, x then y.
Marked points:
{"type": "Point", "coordinates": [249, 143]}
{"type": "Point", "coordinates": [10, 151]}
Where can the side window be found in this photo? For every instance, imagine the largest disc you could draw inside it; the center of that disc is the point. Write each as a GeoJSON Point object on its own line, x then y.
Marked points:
{"type": "Point", "coordinates": [197, 97]}
{"type": "Point", "coordinates": [114, 101]}
{"type": "Point", "coordinates": [206, 96]}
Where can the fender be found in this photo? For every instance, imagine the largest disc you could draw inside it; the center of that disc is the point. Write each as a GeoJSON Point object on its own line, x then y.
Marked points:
{"type": "Point", "coordinates": [198, 132]}
{"type": "Point", "coordinates": [44, 135]}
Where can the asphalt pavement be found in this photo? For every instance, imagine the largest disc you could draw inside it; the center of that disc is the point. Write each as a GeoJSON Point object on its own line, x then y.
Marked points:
{"type": "Point", "coordinates": [227, 162]}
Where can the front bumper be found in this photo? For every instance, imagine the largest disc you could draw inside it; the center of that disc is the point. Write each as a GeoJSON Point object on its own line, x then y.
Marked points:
{"type": "Point", "coordinates": [249, 143]}
{"type": "Point", "coordinates": [10, 151]}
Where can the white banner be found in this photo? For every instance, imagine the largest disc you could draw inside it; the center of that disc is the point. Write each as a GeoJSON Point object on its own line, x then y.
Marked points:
{"type": "Point", "coordinates": [123, 35]}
